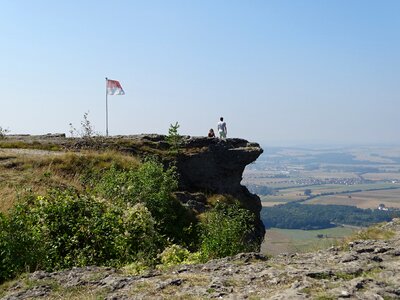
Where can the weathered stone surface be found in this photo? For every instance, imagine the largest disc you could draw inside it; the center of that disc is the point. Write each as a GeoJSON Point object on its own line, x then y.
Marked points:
{"type": "Point", "coordinates": [319, 275]}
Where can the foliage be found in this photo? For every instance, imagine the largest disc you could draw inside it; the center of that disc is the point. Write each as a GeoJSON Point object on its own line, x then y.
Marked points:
{"type": "Point", "coordinates": [307, 192]}
{"type": "Point", "coordinates": [124, 216]}
{"type": "Point", "coordinates": [87, 130]}
{"type": "Point", "coordinates": [20, 243]}
{"type": "Point", "coordinates": [316, 216]}
{"type": "Point", "coordinates": [175, 255]}
{"type": "Point", "coordinates": [153, 187]}
{"type": "Point", "coordinates": [3, 132]}
{"type": "Point", "coordinates": [76, 230]}
{"type": "Point", "coordinates": [140, 240]}
{"type": "Point", "coordinates": [225, 230]}
{"type": "Point", "coordinates": [174, 139]}
{"type": "Point", "coordinates": [65, 229]}
{"type": "Point", "coordinates": [135, 268]}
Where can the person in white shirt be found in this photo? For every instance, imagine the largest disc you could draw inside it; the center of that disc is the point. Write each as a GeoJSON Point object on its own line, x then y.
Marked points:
{"type": "Point", "coordinates": [222, 128]}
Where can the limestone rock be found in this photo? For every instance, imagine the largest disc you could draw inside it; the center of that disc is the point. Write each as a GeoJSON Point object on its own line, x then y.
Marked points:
{"type": "Point", "coordinates": [320, 275]}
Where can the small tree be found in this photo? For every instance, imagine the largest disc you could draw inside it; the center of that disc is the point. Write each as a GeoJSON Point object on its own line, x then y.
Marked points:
{"type": "Point", "coordinates": [87, 129]}
{"type": "Point", "coordinates": [3, 132]}
{"type": "Point", "coordinates": [174, 139]}
{"type": "Point", "coordinates": [307, 192]}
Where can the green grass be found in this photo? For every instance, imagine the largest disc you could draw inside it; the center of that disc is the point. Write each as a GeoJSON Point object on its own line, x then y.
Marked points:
{"type": "Point", "coordinates": [296, 240]}
{"type": "Point", "coordinates": [306, 235]}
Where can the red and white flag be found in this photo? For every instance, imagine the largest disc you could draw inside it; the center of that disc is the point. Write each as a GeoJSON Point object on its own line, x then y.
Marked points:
{"type": "Point", "coordinates": [114, 88]}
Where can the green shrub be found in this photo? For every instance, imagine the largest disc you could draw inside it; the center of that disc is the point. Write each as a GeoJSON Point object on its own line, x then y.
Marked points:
{"type": "Point", "coordinates": [20, 243]}
{"type": "Point", "coordinates": [65, 229]}
{"type": "Point", "coordinates": [139, 240]}
{"type": "Point", "coordinates": [125, 217]}
{"type": "Point", "coordinates": [151, 185]}
{"type": "Point", "coordinates": [6, 266]}
{"type": "Point", "coordinates": [80, 230]}
{"type": "Point", "coordinates": [225, 230]}
{"type": "Point", "coordinates": [175, 255]}
{"type": "Point", "coordinates": [77, 230]}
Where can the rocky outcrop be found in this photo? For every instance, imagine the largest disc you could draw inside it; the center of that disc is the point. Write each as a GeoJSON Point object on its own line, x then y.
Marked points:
{"type": "Point", "coordinates": [363, 269]}
{"type": "Point", "coordinates": [215, 166]}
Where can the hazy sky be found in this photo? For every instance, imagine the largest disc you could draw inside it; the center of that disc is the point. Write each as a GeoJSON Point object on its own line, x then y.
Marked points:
{"type": "Point", "coordinates": [278, 71]}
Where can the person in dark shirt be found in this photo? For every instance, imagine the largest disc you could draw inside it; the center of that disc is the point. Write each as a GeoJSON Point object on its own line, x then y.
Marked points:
{"type": "Point", "coordinates": [211, 133]}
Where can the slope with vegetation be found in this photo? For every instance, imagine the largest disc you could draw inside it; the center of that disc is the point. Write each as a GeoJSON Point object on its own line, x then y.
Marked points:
{"type": "Point", "coordinates": [124, 202]}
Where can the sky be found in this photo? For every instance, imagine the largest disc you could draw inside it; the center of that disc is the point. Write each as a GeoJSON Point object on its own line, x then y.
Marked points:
{"type": "Point", "coordinates": [279, 72]}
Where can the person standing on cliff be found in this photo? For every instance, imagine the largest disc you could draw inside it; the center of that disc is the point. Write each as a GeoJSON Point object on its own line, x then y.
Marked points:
{"type": "Point", "coordinates": [222, 128]}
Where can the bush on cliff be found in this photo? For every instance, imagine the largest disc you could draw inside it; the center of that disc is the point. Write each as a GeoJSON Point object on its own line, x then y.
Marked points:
{"type": "Point", "coordinates": [129, 216]}
{"type": "Point", "coordinates": [151, 185]}
{"type": "Point", "coordinates": [225, 230]}
{"type": "Point", "coordinates": [20, 242]}
{"type": "Point", "coordinates": [80, 230]}
{"type": "Point", "coordinates": [64, 229]}
{"type": "Point", "coordinates": [123, 217]}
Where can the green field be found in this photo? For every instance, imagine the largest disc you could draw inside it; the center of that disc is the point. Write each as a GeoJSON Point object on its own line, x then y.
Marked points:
{"type": "Point", "coordinates": [297, 193]}
{"type": "Point", "coordinates": [364, 199]}
{"type": "Point", "coordinates": [293, 240]}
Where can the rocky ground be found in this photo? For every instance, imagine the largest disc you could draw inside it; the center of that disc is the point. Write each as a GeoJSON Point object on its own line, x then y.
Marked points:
{"type": "Point", "coordinates": [362, 269]}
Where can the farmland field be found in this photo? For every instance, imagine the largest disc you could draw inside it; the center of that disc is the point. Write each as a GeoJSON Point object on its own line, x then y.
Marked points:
{"type": "Point", "coordinates": [293, 240]}
{"type": "Point", "coordinates": [389, 191]}
{"type": "Point", "coordinates": [327, 175]}
{"type": "Point", "coordinates": [365, 199]}
{"type": "Point", "coordinates": [382, 176]}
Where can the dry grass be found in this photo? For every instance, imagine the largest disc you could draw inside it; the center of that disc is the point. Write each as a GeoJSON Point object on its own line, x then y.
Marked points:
{"type": "Point", "coordinates": [78, 293]}
{"type": "Point", "coordinates": [366, 199]}
{"type": "Point", "coordinates": [371, 233]}
{"type": "Point", "coordinates": [36, 171]}
{"type": "Point", "coordinates": [10, 144]}
{"type": "Point", "coordinates": [57, 291]}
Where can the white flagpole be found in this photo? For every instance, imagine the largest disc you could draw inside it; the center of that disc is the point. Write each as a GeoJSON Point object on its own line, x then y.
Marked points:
{"type": "Point", "coordinates": [106, 107]}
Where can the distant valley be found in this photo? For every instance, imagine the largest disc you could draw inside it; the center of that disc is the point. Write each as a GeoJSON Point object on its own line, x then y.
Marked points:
{"type": "Point", "coordinates": [357, 186]}
{"type": "Point", "coordinates": [359, 176]}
